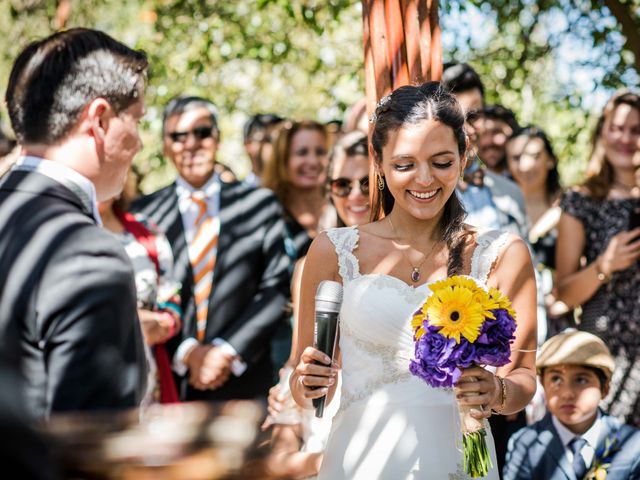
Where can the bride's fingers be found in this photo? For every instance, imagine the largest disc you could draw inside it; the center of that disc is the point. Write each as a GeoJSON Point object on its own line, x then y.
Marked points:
{"type": "Point", "coordinates": [310, 355]}
{"type": "Point", "coordinates": [314, 381]}
{"type": "Point", "coordinates": [472, 387]}
{"type": "Point", "coordinates": [474, 399]}
{"type": "Point", "coordinates": [473, 373]}
{"type": "Point", "coordinates": [313, 387]}
{"type": "Point", "coordinates": [317, 393]}
{"type": "Point", "coordinates": [318, 370]}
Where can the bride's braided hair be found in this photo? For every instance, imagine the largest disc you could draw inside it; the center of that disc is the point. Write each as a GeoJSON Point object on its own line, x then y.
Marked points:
{"type": "Point", "coordinates": [411, 105]}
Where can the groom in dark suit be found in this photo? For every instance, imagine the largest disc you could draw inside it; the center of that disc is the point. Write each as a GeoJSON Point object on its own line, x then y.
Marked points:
{"type": "Point", "coordinates": [68, 317]}
{"type": "Point", "coordinates": [228, 244]}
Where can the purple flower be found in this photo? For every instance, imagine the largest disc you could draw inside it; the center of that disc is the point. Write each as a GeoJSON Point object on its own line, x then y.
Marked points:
{"type": "Point", "coordinates": [497, 335]}
{"type": "Point", "coordinates": [439, 360]}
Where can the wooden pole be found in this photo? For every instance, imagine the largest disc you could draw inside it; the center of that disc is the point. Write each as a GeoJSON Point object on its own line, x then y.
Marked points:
{"type": "Point", "coordinates": [401, 40]}
{"type": "Point", "coordinates": [401, 45]}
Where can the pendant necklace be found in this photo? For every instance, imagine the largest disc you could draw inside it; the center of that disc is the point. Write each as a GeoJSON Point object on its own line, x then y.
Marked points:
{"type": "Point", "coordinates": [630, 190]}
{"type": "Point", "coordinates": [415, 271]}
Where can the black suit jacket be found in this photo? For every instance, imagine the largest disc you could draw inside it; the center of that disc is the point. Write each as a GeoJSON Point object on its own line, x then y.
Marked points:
{"type": "Point", "coordinates": [68, 316]}
{"type": "Point", "coordinates": [250, 280]}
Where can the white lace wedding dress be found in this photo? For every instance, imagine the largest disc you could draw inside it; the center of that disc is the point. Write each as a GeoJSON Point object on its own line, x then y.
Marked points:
{"type": "Point", "coordinates": [392, 425]}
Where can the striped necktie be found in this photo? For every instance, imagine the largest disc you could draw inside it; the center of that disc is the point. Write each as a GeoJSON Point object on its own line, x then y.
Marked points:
{"type": "Point", "coordinates": [579, 465]}
{"type": "Point", "coordinates": [202, 254]}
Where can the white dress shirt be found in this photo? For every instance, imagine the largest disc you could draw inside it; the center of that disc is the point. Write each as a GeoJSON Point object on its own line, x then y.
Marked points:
{"type": "Point", "coordinates": [67, 176]}
{"type": "Point", "coordinates": [591, 436]}
{"type": "Point", "coordinates": [189, 211]}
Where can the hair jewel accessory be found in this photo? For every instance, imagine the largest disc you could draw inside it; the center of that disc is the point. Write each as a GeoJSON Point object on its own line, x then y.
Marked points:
{"type": "Point", "coordinates": [383, 101]}
{"type": "Point", "coordinates": [381, 107]}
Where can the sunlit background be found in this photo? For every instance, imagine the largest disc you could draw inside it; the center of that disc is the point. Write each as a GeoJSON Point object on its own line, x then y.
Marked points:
{"type": "Point", "coordinates": [553, 62]}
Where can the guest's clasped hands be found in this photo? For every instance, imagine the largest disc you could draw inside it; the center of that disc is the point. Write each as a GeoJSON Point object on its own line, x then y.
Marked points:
{"type": "Point", "coordinates": [209, 367]}
{"type": "Point", "coordinates": [158, 326]}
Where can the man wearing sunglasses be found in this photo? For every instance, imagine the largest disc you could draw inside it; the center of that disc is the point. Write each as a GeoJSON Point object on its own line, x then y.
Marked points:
{"type": "Point", "coordinates": [228, 244]}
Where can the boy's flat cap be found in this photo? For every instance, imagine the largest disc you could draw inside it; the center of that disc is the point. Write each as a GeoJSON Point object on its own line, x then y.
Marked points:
{"type": "Point", "coordinates": [573, 347]}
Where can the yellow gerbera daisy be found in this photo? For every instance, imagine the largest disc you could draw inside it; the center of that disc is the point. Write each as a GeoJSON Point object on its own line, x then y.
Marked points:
{"type": "Point", "coordinates": [456, 309]}
{"type": "Point", "coordinates": [457, 281]}
{"type": "Point", "coordinates": [417, 321]}
{"type": "Point", "coordinates": [501, 301]}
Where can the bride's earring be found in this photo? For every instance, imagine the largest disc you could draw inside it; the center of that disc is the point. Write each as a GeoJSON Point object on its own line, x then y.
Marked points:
{"type": "Point", "coordinates": [380, 183]}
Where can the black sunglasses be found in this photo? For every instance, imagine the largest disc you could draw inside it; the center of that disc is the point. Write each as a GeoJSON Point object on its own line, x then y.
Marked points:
{"type": "Point", "coordinates": [200, 133]}
{"type": "Point", "coordinates": [341, 187]}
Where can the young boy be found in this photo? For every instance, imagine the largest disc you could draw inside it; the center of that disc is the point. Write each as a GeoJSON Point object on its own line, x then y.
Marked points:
{"type": "Point", "coordinates": [575, 440]}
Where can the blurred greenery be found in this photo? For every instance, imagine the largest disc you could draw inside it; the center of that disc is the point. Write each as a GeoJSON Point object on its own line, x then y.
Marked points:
{"type": "Point", "coordinates": [303, 59]}
{"type": "Point", "coordinates": [554, 62]}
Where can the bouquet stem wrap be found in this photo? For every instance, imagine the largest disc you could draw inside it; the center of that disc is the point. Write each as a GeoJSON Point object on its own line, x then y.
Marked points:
{"type": "Point", "coordinates": [477, 461]}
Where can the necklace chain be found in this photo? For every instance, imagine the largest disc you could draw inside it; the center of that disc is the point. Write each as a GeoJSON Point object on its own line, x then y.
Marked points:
{"type": "Point", "coordinates": [624, 185]}
{"type": "Point", "coordinates": [415, 271]}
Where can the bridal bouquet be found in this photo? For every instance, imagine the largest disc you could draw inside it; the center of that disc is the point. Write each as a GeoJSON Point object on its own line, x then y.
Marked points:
{"type": "Point", "coordinates": [461, 325]}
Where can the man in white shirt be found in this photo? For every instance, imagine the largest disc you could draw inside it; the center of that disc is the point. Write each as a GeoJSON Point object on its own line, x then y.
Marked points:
{"type": "Point", "coordinates": [228, 244]}
{"type": "Point", "coordinates": [68, 318]}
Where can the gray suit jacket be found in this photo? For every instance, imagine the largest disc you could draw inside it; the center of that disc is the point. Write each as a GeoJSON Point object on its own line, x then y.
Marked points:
{"type": "Point", "coordinates": [536, 452]}
{"type": "Point", "coordinates": [250, 280]}
{"type": "Point", "coordinates": [508, 199]}
{"type": "Point", "coordinates": [68, 318]}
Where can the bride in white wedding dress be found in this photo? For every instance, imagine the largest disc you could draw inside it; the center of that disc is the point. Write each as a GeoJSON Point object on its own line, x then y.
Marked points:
{"type": "Point", "coordinates": [391, 425]}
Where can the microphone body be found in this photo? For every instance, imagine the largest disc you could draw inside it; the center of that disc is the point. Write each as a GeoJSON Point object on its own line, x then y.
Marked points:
{"type": "Point", "coordinates": [325, 332]}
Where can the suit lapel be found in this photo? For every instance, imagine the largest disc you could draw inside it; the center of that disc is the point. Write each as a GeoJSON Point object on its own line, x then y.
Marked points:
{"type": "Point", "coordinates": [553, 447]}
{"type": "Point", "coordinates": [610, 428]}
{"type": "Point", "coordinates": [164, 211]}
{"type": "Point", "coordinates": [225, 236]}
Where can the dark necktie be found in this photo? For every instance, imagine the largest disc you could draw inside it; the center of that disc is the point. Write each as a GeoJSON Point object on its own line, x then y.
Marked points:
{"type": "Point", "coordinates": [579, 467]}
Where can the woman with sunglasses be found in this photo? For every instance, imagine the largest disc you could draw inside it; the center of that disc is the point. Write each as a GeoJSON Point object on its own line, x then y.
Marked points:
{"type": "Point", "coordinates": [298, 438]}
{"type": "Point", "coordinates": [349, 180]}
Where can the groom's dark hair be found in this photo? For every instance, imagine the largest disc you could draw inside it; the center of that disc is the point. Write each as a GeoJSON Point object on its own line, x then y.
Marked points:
{"type": "Point", "coordinates": [54, 78]}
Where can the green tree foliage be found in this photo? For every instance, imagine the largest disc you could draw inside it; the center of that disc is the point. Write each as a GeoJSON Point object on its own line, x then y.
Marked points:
{"type": "Point", "coordinates": [554, 62]}
{"type": "Point", "coordinates": [299, 59]}
{"type": "Point", "coordinates": [303, 58]}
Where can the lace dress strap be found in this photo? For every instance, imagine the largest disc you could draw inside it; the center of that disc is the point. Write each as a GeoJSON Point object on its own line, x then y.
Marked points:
{"type": "Point", "coordinates": [345, 241]}
{"type": "Point", "coordinates": [488, 245]}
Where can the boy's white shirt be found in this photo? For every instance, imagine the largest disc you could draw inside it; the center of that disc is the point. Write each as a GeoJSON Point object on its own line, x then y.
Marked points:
{"type": "Point", "coordinates": [591, 436]}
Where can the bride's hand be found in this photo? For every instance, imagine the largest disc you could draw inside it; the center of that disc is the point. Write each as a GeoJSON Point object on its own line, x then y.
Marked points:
{"type": "Point", "coordinates": [478, 387]}
{"type": "Point", "coordinates": [314, 373]}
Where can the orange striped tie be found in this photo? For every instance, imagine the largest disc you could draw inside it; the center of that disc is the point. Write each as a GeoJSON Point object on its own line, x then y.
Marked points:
{"type": "Point", "coordinates": [202, 253]}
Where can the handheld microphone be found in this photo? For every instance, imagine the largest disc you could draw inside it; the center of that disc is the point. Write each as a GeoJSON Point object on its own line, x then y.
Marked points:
{"type": "Point", "coordinates": [328, 301]}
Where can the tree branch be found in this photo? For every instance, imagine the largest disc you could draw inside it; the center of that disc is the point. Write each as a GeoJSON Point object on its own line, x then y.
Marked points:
{"type": "Point", "coordinates": [630, 29]}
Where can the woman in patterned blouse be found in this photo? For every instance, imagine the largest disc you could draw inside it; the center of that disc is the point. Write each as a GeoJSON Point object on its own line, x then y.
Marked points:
{"type": "Point", "coordinates": [599, 246]}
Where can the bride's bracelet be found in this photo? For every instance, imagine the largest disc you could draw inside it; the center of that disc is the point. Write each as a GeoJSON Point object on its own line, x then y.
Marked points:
{"type": "Point", "coordinates": [503, 403]}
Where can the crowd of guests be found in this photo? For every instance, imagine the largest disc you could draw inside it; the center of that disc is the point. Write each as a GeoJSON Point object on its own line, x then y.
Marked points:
{"type": "Point", "coordinates": [217, 261]}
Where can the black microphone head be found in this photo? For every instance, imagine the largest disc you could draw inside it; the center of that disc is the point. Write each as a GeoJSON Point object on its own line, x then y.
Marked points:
{"type": "Point", "coordinates": [328, 296]}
